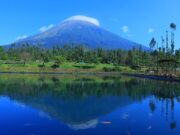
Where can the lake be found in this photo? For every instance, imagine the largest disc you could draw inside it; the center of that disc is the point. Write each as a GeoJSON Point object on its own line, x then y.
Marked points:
{"type": "Point", "coordinates": [87, 105]}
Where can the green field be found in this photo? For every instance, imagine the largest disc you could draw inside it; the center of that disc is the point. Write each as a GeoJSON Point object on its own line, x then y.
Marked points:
{"type": "Point", "coordinates": [65, 67]}
{"type": "Point", "coordinates": [69, 68]}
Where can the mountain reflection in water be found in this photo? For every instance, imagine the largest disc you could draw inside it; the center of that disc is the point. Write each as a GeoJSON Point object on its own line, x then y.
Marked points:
{"type": "Point", "coordinates": [85, 102]}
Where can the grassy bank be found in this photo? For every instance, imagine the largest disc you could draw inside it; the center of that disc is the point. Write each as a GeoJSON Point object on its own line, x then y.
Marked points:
{"type": "Point", "coordinates": [65, 67]}
{"type": "Point", "coordinates": [70, 68]}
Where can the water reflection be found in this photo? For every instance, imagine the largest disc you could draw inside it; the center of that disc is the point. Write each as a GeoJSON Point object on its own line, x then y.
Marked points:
{"type": "Point", "coordinates": [79, 101]}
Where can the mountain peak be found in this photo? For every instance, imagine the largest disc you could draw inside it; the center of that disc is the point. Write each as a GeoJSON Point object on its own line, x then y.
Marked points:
{"type": "Point", "coordinates": [83, 18]}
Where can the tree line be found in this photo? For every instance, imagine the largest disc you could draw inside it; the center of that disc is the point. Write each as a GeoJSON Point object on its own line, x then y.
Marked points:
{"type": "Point", "coordinates": [81, 54]}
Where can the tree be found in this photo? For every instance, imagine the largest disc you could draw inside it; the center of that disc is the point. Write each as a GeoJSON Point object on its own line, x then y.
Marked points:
{"type": "Point", "coordinates": [162, 48]}
{"type": "Point", "coordinates": [78, 54]}
{"type": "Point", "coordinates": [152, 43]}
{"type": "Point", "coordinates": [173, 28]}
{"type": "Point", "coordinates": [129, 58]}
{"type": "Point", "coordinates": [120, 57]}
{"type": "Point", "coordinates": [167, 44]}
{"type": "Point", "coordinates": [1, 52]}
{"type": "Point", "coordinates": [59, 60]}
{"type": "Point", "coordinates": [91, 57]}
{"type": "Point", "coordinates": [177, 55]}
{"type": "Point", "coordinates": [25, 56]}
{"type": "Point", "coordinates": [44, 57]}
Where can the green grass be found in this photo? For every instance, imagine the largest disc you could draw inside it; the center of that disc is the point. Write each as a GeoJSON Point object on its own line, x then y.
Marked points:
{"type": "Point", "coordinates": [65, 67]}
{"type": "Point", "coordinates": [68, 67]}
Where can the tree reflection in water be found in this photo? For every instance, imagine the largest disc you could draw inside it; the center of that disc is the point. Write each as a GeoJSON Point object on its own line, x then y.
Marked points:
{"type": "Point", "coordinates": [166, 93]}
{"type": "Point", "coordinates": [79, 101]}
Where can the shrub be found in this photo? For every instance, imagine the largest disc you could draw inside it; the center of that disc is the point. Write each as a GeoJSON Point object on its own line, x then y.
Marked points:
{"type": "Point", "coordinates": [55, 65]}
{"type": "Point", "coordinates": [59, 60]}
{"type": "Point", "coordinates": [84, 66]}
{"type": "Point", "coordinates": [41, 65]}
{"type": "Point", "coordinates": [135, 67]}
{"type": "Point", "coordinates": [111, 69]}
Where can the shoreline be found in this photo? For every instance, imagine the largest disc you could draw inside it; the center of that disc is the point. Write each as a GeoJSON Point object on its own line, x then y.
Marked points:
{"type": "Point", "coordinates": [154, 77]}
{"type": "Point", "coordinates": [65, 73]}
{"type": "Point", "coordinates": [151, 77]}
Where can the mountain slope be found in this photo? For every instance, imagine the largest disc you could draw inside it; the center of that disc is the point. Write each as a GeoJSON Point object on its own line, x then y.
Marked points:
{"type": "Point", "coordinates": [78, 32]}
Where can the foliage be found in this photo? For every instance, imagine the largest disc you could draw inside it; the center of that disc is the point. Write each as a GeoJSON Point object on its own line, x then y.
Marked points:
{"type": "Point", "coordinates": [84, 66]}
{"type": "Point", "coordinates": [111, 69]}
{"type": "Point", "coordinates": [55, 65]}
{"type": "Point", "coordinates": [59, 60]}
{"type": "Point", "coordinates": [56, 56]}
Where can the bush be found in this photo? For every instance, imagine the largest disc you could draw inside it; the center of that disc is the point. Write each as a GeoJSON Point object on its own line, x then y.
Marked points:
{"type": "Point", "coordinates": [84, 66]}
{"type": "Point", "coordinates": [135, 67]}
{"type": "Point", "coordinates": [41, 65]}
{"type": "Point", "coordinates": [59, 60]}
{"type": "Point", "coordinates": [111, 69]}
{"type": "Point", "coordinates": [55, 65]}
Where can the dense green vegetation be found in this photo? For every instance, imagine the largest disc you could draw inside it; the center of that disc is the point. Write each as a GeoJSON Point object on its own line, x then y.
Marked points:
{"type": "Point", "coordinates": [35, 58]}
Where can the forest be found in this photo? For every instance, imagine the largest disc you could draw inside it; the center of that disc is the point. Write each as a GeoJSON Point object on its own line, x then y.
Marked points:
{"type": "Point", "coordinates": [135, 58]}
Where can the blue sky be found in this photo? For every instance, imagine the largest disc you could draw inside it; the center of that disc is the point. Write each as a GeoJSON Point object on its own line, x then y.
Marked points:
{"type": "Point", "coordinates": [137, 20]}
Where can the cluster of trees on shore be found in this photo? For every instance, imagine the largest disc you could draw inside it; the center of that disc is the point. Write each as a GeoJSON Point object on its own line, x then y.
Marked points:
{"type": "Point", "coordinates": [165, 55]}
{"type": "Point", "coordinates": [80, 54]}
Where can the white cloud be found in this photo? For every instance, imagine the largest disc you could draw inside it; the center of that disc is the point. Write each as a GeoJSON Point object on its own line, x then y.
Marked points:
{"type": "Point", "coordinates": [150, 30]}
{"type": "Point", "coordinates": [21, 37]}
{"type": "Point", "coordinates": [125, 29]}
{"type": "Point", "coordinates": [45, 28]}
{"type": "Point", "coordinates": [84, 18]}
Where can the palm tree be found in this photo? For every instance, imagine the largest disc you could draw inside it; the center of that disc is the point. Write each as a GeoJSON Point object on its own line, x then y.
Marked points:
{"type": "Point", "coordinates": [167, 39]}
{"type": "Point", "coordinates": [167, 48]}
{"type": "Point", "coordinates": [152, 44]}
{"type": "Point", "coordinates": [173, 28]}
{"type": "Point", "coordinates": [163, 40]}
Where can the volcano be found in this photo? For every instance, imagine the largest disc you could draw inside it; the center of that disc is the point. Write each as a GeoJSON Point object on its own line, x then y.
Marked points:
{"type": "Point", "coordinates": [79, 31]}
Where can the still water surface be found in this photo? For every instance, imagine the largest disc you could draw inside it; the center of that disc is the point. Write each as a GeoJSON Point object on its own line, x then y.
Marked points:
{"type": "Point", "coordinates": [87, 105]}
